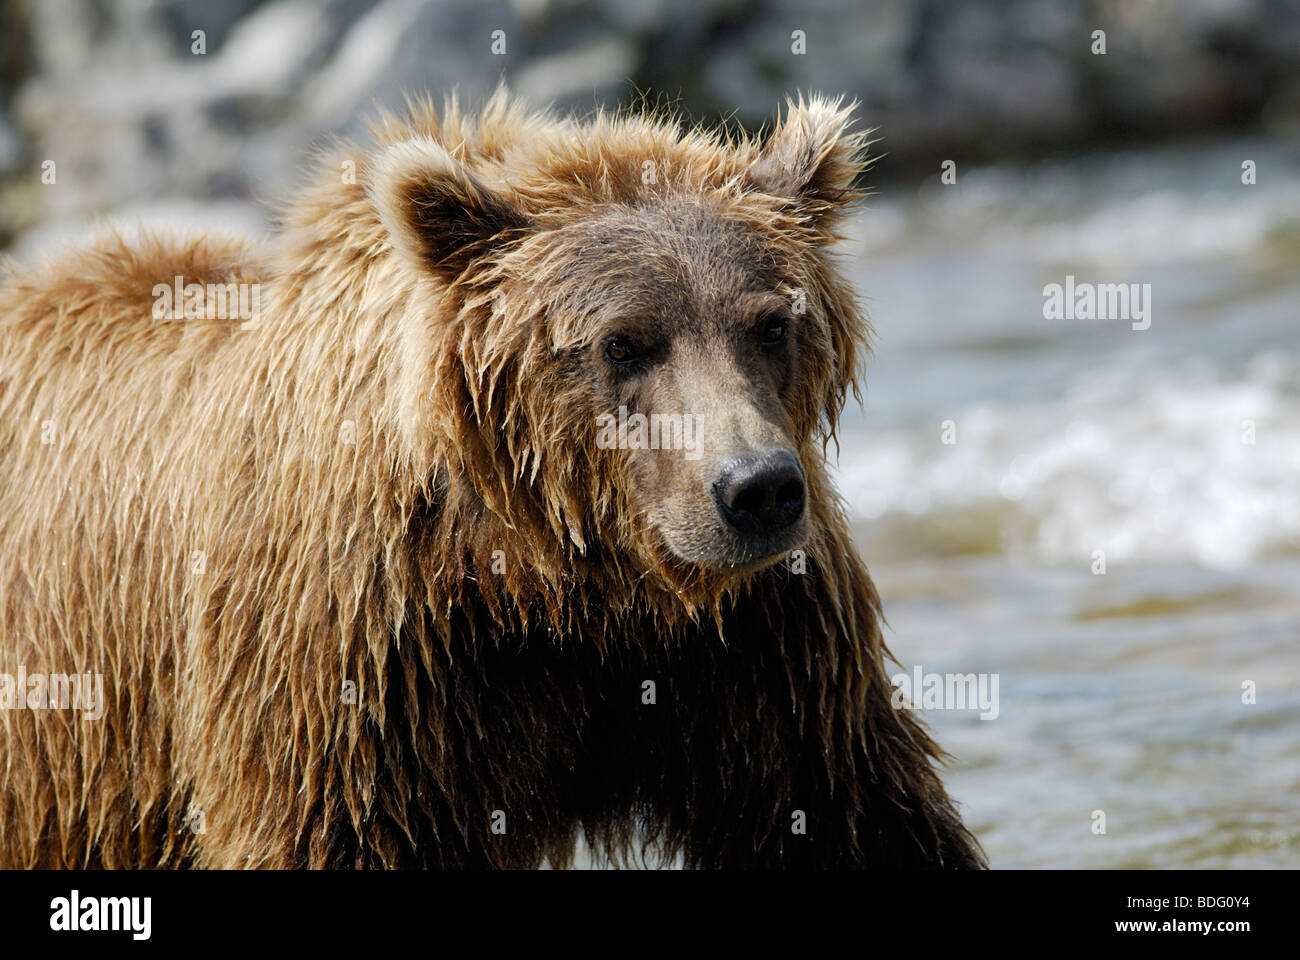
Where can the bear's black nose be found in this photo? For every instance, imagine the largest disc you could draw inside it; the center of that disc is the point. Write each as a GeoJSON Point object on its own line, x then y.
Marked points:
{"type": "Point", "coordinates": [761, 494]}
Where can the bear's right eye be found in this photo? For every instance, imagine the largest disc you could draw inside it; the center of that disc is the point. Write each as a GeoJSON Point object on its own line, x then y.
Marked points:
{"type": "Point", "coordinates": [619, 350]}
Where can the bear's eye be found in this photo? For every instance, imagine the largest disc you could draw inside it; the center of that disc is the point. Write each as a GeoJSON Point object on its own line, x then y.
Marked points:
{"type": "Point", "coordinates": [619, 350]}
{"type": "Point", "coordinates": [774, 333]}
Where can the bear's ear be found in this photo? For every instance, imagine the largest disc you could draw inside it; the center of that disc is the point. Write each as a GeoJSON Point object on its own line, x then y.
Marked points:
{"type": "Point", "coordinates": [436, 211]}
{"type": "Point", "coordinates": [811, 158]}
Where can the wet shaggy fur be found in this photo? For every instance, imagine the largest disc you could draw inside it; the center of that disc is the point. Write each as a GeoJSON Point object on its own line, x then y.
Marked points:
{"type": "Point", "coordinates": [356, 575]}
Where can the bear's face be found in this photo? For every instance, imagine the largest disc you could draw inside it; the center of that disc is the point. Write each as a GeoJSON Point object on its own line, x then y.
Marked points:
{"type": "Point", "coordinates": [692, 350]}
{"type": "Point", "coordinates": [666, 352]}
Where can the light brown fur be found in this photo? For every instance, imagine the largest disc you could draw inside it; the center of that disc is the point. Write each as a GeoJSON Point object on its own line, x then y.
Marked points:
{"type": "Point", "coordinates": [389, 482]}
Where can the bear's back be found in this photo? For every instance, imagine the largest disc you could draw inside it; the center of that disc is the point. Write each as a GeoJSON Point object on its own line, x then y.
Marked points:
{"type": "Point", "coordinates": [94, 389]}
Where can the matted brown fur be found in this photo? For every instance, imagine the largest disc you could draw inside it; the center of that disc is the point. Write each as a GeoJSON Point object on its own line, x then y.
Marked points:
{"type": "Point", "coordinates": [388, 485]}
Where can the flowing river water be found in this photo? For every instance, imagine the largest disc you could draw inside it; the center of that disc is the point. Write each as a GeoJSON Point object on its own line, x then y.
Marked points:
{"type": "Point", "coordinates": [1169, 457]}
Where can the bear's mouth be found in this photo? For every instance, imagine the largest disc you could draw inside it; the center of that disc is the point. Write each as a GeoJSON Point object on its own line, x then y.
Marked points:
{"type": "Point", "coordinates": [761, 499]}
{"type": "Point", "coordinates": [751, 555]}
{"type": "Point", "coordinates": [750, 513]}
{"type": "Point", "coordinates": [718, 547]}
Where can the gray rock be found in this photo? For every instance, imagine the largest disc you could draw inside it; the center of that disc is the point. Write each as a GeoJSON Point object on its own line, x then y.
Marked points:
{"type": "Point", "coordinates": [114, 94]}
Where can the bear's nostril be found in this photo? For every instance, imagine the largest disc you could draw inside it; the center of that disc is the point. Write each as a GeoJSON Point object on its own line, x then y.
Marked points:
{"type": "Point", "coordinates": [791, 492]}
{"type": "Point", "coordinates": [761, 494]}
{"type": "Point", "coordinates": [749, 498]}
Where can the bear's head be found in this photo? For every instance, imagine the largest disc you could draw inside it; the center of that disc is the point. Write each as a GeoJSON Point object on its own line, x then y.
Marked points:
{"type": "Point", "coordinates": [625, 332]}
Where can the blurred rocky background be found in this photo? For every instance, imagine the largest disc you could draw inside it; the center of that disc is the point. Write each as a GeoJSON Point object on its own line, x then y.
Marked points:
{"type": "Point", "coordinates": [144, 117]}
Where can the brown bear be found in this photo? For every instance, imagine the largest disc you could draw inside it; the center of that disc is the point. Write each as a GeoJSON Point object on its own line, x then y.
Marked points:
{"type": "Point", "coordinates": [500, 521]}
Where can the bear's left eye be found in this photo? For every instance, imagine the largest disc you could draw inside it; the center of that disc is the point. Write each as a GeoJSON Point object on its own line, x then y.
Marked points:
{"type": "Point", "coordinates": [620, 351]}
{"type": "Point", "coordinates": [775, 330]}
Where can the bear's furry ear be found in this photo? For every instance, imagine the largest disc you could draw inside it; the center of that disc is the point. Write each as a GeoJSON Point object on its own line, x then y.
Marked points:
{"type": "Point", "coordinates": [436, 211]}
{"type": "Point", "coordinates": [812, 158]}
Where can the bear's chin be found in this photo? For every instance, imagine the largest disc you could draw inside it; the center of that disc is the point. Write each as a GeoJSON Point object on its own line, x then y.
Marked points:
{"type": "Point", "coordinates": [727, 553]}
